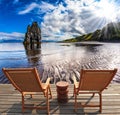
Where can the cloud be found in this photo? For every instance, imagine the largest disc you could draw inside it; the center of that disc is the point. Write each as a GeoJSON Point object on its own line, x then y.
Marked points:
{"type": "Point", "coordinates": [11, 36]}
{"type": "Point", "coordinates": [42, 7]}
{"type": "Point", "coordinates": [64, 22]}
{"type": "Point", "coordinates": [28, 8]}
{"type": "Point", "coordinates": [45, 7]}
{"type": "Point", "coordinates": [69, 18]}
{"type": "Point", "coordinates": [75, 18]}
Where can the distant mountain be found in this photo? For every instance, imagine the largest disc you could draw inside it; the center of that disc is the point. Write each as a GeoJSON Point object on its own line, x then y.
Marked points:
{"type": "Point", "coordinates": [111, 32]}
{"type": "Point", "coordinates": [21, 41]}
{"type": "Point", "coordinates": [10, 41]}
{"type": "Point", "coordinates": [48, 41]}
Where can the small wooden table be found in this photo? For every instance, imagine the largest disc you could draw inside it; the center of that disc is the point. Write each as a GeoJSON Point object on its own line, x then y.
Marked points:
{"type": "Point", "coordinates": [62, 91]}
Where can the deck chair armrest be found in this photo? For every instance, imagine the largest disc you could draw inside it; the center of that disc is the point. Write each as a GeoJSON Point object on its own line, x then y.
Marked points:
{"type": "Point", "coordinates": [75, 81]}
{"type": "Point", "coordinates": [47, 81]}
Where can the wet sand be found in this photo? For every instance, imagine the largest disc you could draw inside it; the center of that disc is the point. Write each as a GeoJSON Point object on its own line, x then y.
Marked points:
{"type": "Point", "coordinates": [61, 62]}
{"type": "Point", "coordinates": [65, 69]}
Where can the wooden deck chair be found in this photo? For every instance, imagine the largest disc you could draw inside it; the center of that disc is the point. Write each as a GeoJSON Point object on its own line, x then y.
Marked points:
{"type": "Point", "coordinates": [91, 82]}
{"type": "Point", "coordinates": [27, 81]}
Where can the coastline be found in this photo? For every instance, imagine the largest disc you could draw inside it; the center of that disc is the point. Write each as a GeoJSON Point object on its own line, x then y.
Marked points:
{"type": "Point", "coordinates": [60, 62]}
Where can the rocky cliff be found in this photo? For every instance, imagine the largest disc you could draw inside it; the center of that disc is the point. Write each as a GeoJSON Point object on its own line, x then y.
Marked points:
{"type": "Point", "coordinates": [33, 34]}
{"type": "Point", "coordinates": [110, 32]}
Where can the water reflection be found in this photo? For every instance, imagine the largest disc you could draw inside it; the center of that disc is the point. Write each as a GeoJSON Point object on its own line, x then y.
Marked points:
{"type": "Point", "coordinates": [33, 52]}
{"type": "Point", "coordinates": [89, 46]}
{"type": "Point", "coordinates": [59, 61]}
{"type": "Point", "coordinates": [93, 49]}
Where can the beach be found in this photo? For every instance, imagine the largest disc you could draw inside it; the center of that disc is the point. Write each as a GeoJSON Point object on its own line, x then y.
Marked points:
{"type": "Point", "coordinates": [60, 61]}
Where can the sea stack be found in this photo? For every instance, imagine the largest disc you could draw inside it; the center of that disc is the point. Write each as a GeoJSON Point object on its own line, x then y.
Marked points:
{"type": "Point", "coordinates": [33, 34]}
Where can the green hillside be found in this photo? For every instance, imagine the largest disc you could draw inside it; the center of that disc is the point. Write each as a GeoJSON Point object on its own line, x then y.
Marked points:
{"type": "Point", "coordinates": [111, 32]}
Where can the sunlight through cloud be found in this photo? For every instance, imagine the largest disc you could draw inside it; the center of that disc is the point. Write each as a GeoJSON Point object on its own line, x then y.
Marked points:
{"type": "Point", "coordinates": [69, 18]}
{"type": "Point", "coordinates": [80, 17]}
{"type": "Point", "coordinates": [107, 10]}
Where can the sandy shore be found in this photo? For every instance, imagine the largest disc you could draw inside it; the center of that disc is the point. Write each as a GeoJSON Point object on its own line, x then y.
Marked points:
{"type": "Point", "coordinates": [65, 70]}
{"type": "Point", "coordinates": [62, 61]}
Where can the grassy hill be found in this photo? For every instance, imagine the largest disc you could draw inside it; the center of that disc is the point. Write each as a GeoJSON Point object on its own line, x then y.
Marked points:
{"type": "Point", "coordinates": [111, 32]}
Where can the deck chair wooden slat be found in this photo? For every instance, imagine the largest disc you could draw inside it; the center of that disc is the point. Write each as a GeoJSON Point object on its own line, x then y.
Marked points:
{"type": "Point", "coordinates": [27, 81]}
{"type": "Point", "coordinates": [92, 81]}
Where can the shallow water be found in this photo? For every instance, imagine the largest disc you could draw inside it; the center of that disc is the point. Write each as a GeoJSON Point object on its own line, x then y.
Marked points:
{"type": "Point", "coordinates": [60, 60]}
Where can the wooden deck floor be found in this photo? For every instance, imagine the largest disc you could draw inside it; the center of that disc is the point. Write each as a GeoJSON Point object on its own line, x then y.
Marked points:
{"type": "Point", "coordinates": [10, 102]}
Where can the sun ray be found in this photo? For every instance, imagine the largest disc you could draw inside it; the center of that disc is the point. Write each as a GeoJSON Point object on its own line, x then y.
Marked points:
{"type": "Point", "coordinates": [107, 10]}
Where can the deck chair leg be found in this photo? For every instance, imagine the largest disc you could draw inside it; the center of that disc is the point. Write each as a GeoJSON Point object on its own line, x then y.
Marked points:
{"type": "Point", "coordinates": [75, 106]}
{"type": "Point", "coordinates": [93, 95]}
{"type": "Point", "coordinates": [31, 95]}
{"type": "Point", "coordinates": [100, 96]}
{"type": "Point", "coordinates": [48, 106]}
{"type": "Point", "coordinates": [74, 92]}
{"type": "Point", "coordinates": [22, 103]}
{"type": "Point", "coordinates": [50, 92]}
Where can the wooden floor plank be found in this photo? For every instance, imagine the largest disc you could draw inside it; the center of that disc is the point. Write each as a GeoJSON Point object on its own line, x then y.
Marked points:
{"type": "Point", "coordinates": [10, 102]}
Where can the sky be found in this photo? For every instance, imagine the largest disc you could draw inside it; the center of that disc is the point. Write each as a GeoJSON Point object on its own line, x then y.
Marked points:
{"type": "Point", "coordinates": [58, 19]}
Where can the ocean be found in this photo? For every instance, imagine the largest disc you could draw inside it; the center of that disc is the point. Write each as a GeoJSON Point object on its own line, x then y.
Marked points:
{"type": "Point", "coordinates": [60, 61]}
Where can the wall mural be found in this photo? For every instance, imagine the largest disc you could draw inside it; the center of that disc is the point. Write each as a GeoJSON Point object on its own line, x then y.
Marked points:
{"type": "Point", "coordinates": [60, 37]}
